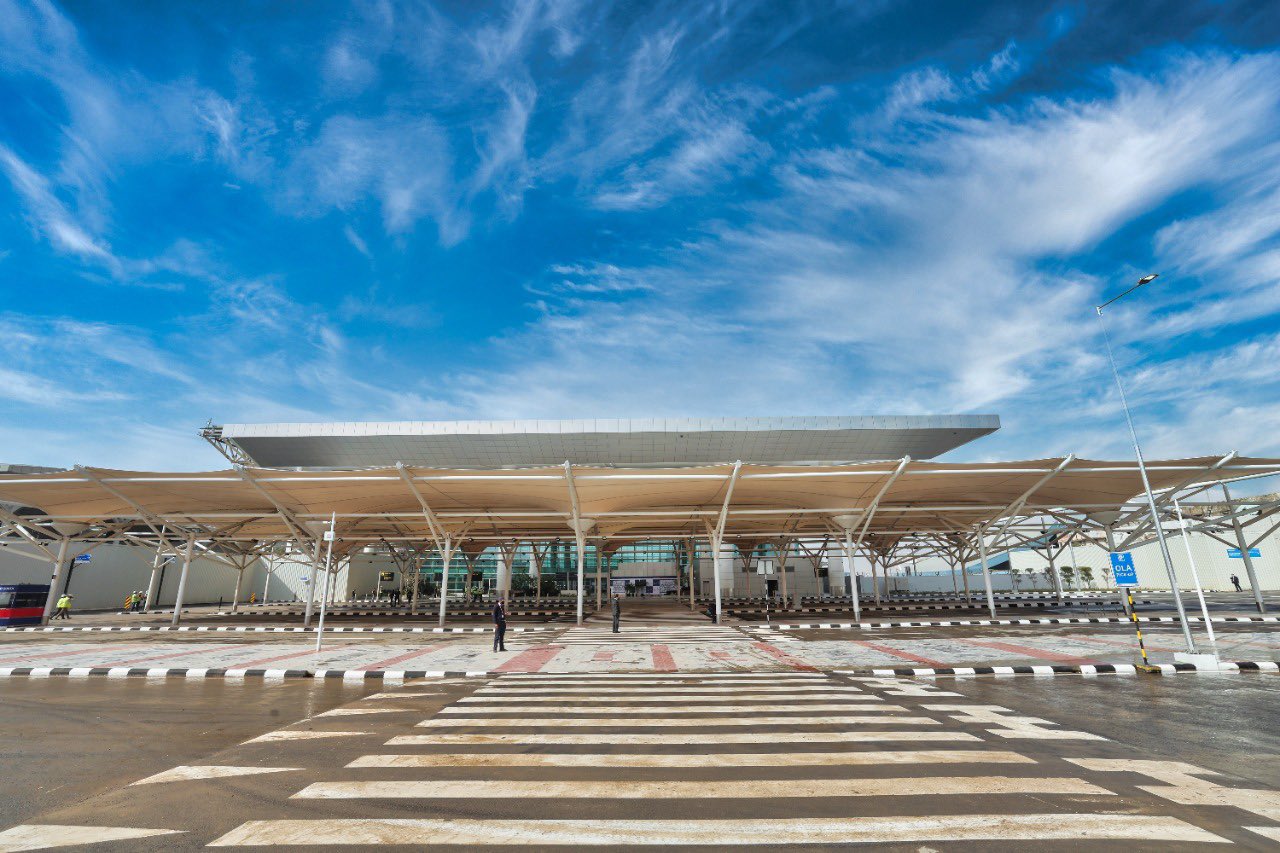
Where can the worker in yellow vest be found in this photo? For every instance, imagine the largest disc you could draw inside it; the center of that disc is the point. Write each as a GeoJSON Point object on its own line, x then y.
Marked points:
{"type": "Point", "coordinates": [64, 607]}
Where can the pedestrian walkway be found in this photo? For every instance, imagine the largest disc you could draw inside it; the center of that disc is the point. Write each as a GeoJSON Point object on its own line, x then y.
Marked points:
{"type": "Point", "coordinates": [663, 760]}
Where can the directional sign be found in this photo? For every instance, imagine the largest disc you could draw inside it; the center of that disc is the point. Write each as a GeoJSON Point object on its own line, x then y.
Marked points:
{"type": "Point", "coordinates": [84, 558]}
{"type": "Point", "coordinates": [1122, 569]}
{"type": "Point", "coordinates": [1234, 553]}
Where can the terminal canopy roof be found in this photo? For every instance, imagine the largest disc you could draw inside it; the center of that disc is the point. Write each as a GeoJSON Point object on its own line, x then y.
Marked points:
{"type": "Point", "coordinates": [881, 500]}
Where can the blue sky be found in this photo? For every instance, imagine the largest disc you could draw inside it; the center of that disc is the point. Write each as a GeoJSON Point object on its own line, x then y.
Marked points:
{"type": "Point", "coordinates": [386, 211]}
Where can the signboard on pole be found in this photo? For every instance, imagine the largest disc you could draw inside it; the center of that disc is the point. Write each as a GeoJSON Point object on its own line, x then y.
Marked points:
{"type": "Point", "coordinates": [386, 576]}
{"type": "Point", "coordinates": [1234, 553]}
{"type": "Point", "coordinates": [764, 567]}
{"type": "Point", "coordinates": [1123, 570]}
{"type": "Point", "coordinates": [84, 558]}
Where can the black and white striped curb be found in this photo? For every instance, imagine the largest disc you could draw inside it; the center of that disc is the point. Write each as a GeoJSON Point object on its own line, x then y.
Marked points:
{"type": "Point", "coordinates": [264, 629]}
{"type": "Point", "coordinates": [1056, 620]}
{"type": "Point", "coordinates": [977, 605]}
{"type": "Point", "coordinates": [385, 613]}
{"type": "Point", "coordinates": [213, 672]}
{"type": "Point", "coordinates": [1065, 669]}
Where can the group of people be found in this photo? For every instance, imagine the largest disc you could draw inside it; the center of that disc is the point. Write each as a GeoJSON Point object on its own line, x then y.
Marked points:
{"type": "Point", "coordinates": [135, 601]}
{"type": "Point", "coordinates": [63, 607]}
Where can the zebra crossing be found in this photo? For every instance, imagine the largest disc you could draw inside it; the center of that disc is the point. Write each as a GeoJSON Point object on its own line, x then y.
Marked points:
{"type": "Point", "coordinates": [787, 758]}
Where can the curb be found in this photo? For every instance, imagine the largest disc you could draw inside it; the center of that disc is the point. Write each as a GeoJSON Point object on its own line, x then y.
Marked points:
{"type": "Point", "coordinates": [259, 629]}
{"type": "Point", "coordinates": [1063, 669]}
{"type": "Point", "coordinates": [1056, 620]}
{"type": "Point", "coordinates": [265, 674]}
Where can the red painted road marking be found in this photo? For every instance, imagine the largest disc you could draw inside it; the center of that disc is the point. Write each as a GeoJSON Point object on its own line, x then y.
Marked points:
{"type": "Point", "coordinates": [79, 652]}
{"type": "Point", "coordinates": [604, 656]}
{"type": "Point", "coordinates": [389, 661]}
{"type": "Point", "coordinates": [662, 659]}
{"type": "Point", "coordinates": [273, 659]}
{"type": "Point", "coordinates": [167, 655]}
{"type": "Point", "coordinates": [789, 660]}
{"type": "Point", "coordinates": [1028, 651]}
{"type": "Point", "coordinates": [1126, 643]}
{"type": "Point", "coordinates": [898, 653]}
{"type": "Point", "coordinates": [530, 661]}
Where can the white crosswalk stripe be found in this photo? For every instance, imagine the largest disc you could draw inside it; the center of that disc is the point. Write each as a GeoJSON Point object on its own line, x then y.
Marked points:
{"type": "Point", "coordinates": [671, 636]}
{"type": "Point", "coordinates": [745, 740]}
{"type": "Point", "coordinates": [666, 833]}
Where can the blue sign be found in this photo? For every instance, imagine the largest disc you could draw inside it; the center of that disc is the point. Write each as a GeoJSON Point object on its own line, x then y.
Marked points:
{"type": "Point", "coordinates": [1122, 569]}
{"type": "Point", "coordinates": [83, 558]}
{"type": "Point", "coordinates": [1234, 553]}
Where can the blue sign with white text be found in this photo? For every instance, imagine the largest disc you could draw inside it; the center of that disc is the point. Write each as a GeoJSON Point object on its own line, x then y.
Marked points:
{"type": "Point", "coordinates": [1234, 553]}
{"type": "Point", "coordinates": [1123, 570]}
{"type": "Point", "coordinates": [83, 558]}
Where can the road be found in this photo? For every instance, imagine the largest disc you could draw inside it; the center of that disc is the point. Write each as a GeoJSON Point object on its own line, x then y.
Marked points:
{"type": "Point", "coordinates": [718, 760]}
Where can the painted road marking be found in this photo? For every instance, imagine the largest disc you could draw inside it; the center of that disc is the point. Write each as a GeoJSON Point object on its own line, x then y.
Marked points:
{"type": "Point", "coordinates": [732, 759]}
{"type": "Point", "coordinates": [186, 773]}
{"type": "Point", "coordinates": [912, 786]}
{"type": "Point", "coordinates": [856, 830]}
{"type": "Point", "coordinates": [771, 694]}
{"type": "Point", "coordinates": [41, 836]}
{"type": "Point", "coordinates": [683, 738]}
{"type": "Point", "coordinates": [674, 708]}
{"type": "Point", "coordinates": [343, 712]}
{"type": "Point", "coordinates": [659, 690]}
{"type": "Point", "coordinates": [664, 722]}
{"type": "Point", "coordinates": [645, 678]}
{"type": "Point", "coordinates": [1012, 725]}
{"type": "Point", "coordinates": [297, 734]}
{"type": "Point", "coordinates": [1182, 787]}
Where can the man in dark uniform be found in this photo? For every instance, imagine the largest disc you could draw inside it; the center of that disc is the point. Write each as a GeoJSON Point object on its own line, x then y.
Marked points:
{"type": "Point", "coordinates": [499, 626]}
{"type": "Point", "coordinates": [617, 611]}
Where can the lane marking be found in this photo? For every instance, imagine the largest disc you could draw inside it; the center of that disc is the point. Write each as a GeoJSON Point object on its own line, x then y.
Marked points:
{"type": "Point", "coordinates": [682, 738]}
{"type": "Point", "coordinates": [912, 786]}
{"type": "Point", "coordinates": [1012, 725]}
{"type": "Point", "coordinates": [1027, 651]}
{"type": "Point", "coordinates": [622, 676]}
{"type": "Point", "coordinates": [835, 831]}
{"type": "Point", "coordinates": [185, 773]}
{"type": "Point", "coordinates": [383, 664]}
{"type": "Point", "coordinates": [40, 836]}
{"type": "Point", "coordinates": [731, 759]}
{"type": "Point", "coordinates": [667, 722]}
{"type": "Point", "coordinates": [343, 712]}
{"type": "Point", "coordinates": [294, 734]}
{"type": "Point", "coordinates": [663, 660]}
{"type": "Point", "coordinates": [594, 697]}
{"type": "Point", "coordinates": [861, 706]}
{"type": "Point", "coordinates": [897, 653]}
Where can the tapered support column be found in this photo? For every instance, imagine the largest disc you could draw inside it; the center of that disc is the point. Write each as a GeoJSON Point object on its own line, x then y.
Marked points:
{"type": "Point", "coordinates": [182, 581]}
{"type": "Point", "coordinates": [153, 585]}
{"type": "Point", "coordinates": [311, 587]}
{"type": "Point", "coordinates": [446, 557]}
{"type": "Point", "coordinates": [1243, 545]}
{"type": "Point", "coordinates": [1057, 578]}
{"type": "Point", "coordinates": [235, 596]}
{"type": "Point", "coordinates": [715, 573]}
{"type": "Point", "coordinates": [964, 576]}
{"type": "Point", "coordinates": [266, 584]}
{"type": "Point", "coordinates": [783, 547]}
{"type": "Point", "coordinates": [692, 548]}
{"type": "Point", "coordinates": [581, 546]}
{"type": "Point", "coordinates": [986, 572]}
{"type": "Point", "coordinates": [853, 586]}
{"type": "Point", "coordinates": [55, 583]}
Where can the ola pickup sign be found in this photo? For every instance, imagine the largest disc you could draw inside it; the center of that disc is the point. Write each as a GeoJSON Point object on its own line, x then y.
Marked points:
{"type": "Point", "coordinates": [1122, 569]}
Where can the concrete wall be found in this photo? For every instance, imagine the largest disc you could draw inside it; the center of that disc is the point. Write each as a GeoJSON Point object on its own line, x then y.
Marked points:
{"type": "Point", "coordinates": [114, 571]}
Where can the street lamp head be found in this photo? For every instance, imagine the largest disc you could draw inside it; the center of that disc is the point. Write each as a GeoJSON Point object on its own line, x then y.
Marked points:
{"type": "Point", "coordinates": [1150, 277]}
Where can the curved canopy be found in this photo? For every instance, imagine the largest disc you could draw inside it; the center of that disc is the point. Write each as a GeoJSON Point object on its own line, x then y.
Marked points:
{"type": "Point", "coordinates": [882, 500]}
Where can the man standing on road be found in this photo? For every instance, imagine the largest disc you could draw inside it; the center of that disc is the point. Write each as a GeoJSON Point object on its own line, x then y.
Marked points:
{"type": "Point", "coordinates": [499, 626]}
{"type": "Point", "coordinates": [617, 611]}
{"type": "Point", "coordinates": [1235, 581]}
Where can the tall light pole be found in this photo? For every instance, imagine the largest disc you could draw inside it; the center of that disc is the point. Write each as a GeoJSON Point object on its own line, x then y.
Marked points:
{"type": "Point", "coordinates": [1142, 466]}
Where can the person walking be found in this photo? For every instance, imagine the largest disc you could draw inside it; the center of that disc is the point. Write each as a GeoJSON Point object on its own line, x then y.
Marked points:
{"type": "Point", "coordinates": [617, 611]}
{"type": "Point", "coordinates": [64, 607]}
{"type": "Point", "coordinates": [499, 626]}
{"type": "Point", "coordinates": [1235, 581]}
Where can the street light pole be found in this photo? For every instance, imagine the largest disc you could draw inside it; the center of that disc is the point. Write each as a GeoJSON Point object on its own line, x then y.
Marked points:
{"type": "Point", "coordinates": [1142, 467]}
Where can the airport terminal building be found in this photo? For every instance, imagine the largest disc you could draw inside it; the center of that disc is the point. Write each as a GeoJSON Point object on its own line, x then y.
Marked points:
{"type": "Point", "coordinates": [721, 507]}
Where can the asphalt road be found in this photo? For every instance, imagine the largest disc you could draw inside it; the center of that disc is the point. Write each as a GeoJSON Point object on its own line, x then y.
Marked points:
{"type": "Point", "coordinates": [771, 759]}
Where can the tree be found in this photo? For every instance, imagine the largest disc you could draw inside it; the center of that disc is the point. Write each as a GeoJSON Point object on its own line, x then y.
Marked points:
{"type": "Point", "coordinates": [1086, 574]}
{"type": "Point", "coordinates": [522, 584]}
{"type": "Point", "coordinates": [549, 585]}
{"type": "Point", "coordinates": [1068, 575]}
{"type": "Point", "coordinates": [1031, 576]}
